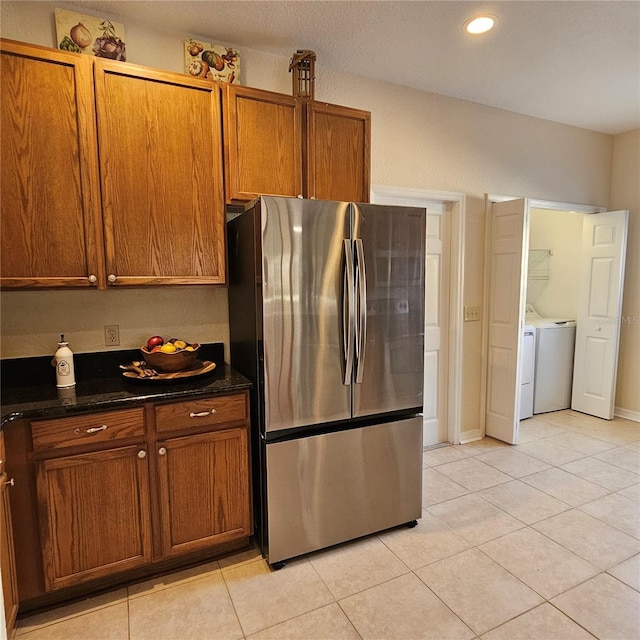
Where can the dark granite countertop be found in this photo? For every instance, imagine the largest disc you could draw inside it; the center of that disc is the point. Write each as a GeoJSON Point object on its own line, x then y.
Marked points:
{"type": "Point", "coordinates": [29, 389]}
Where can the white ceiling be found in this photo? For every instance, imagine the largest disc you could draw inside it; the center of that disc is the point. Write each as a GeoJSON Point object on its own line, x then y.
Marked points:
{"type": "Point", "coordinates": [575, 62]}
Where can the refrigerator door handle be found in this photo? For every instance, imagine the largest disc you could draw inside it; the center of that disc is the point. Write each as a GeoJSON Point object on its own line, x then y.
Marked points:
{"type": "Point", "coordinates": [348, 295]}
{"type": "Point", "coordinates": [361, 324]}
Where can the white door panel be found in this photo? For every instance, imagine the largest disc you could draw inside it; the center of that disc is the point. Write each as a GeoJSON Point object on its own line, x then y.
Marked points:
{"type": "Point", "coordinates": [436, 365]}
{"type": "Point", "coordinates": [604, 241]}
{"type": "Point", "coordinates": [509, 239]}
{"type": "Point", "coordinates": [435, 422]}
{"type": "Point", "coordinates": [430, 409]}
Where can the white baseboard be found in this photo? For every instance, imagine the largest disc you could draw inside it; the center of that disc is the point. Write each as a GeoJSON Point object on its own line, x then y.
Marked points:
{"type": "Point", "coordinates": [619, 412]}
{"type": "Point", "coordinates": [470, 436]}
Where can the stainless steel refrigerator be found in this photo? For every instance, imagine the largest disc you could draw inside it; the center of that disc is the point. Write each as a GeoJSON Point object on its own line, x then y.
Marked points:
{"type": "Point", "coordinates": [326, 316]}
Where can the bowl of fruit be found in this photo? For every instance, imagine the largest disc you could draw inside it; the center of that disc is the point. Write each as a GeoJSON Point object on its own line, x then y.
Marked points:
{"type": "Point", "coordinates": [170, 356]}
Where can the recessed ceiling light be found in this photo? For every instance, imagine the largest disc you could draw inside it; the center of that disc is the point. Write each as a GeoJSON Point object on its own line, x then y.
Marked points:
{"type": "Point", "coordinates": [481, 24]}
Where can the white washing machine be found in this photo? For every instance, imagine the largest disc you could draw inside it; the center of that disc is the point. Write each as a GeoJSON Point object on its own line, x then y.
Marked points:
{"type": "Point", "coordinates": [527, 371]}
{"type": "Point", "coordinates": [555, 346]}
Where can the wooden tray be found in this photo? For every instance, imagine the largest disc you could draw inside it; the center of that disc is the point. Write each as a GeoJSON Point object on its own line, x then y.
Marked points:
{"type": "Point", "coordinates": [199, 368]}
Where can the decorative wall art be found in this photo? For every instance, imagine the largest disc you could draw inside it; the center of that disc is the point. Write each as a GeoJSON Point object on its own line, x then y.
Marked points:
{"type": "Point", "coordinates": [87, 34]}
{"type": "Point", "coordinates": [214, 61]}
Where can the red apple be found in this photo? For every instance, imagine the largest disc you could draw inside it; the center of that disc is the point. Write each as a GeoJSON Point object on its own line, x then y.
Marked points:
{"type": "Point", "coordinates": [155, 341]}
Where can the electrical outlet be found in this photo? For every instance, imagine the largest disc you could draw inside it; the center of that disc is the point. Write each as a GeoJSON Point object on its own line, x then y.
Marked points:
{"type": "Point", "coordinates": [471, 314]}
{"type": "Point", "coordinates": [111, 335]}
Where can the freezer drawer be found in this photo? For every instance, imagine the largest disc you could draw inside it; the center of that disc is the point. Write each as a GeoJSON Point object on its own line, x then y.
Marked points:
{"type": "Point", "coordinates": [326, 489]}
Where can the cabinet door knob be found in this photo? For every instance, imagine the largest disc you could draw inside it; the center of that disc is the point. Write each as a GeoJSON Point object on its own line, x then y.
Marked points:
{"type": "Point", "coordinates": [142, 454]}
{"type": "Point", "coordinates": [162, 451]}
{"type": "Point", "coordinates": [111, 277]}
{"type": "Point", "coordinates": [93, 279]}
{"type": "Point", "coordinates": [202, 414]}
{"type": "Point", "coordinates": [11, 482]}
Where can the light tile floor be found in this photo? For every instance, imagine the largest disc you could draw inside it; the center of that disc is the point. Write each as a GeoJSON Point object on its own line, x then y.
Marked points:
{"type": "Point", "coordinates": [538, 541]}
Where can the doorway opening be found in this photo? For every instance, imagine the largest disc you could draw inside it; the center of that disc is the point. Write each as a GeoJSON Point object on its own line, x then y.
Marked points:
{"type": "Point", "coordinates": [443, 301]}
{"type": "Point", "coordinates": [555, 269]}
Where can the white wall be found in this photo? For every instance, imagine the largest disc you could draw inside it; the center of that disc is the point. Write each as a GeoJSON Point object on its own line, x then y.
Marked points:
{"type": "Point", "coordinates": [419, 140]}
{"type": "Point", "coordinates": [560, 232]}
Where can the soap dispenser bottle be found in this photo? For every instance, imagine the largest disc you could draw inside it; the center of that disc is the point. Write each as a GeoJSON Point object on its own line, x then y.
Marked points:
{"type": "Point", "coordinates": [63, 362]}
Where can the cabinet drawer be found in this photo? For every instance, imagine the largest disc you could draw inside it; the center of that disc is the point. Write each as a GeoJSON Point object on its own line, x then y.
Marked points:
{"type": "Point", "coordinates": [196, 413]}
{"type": "Point", "coordinates": [87, 429]}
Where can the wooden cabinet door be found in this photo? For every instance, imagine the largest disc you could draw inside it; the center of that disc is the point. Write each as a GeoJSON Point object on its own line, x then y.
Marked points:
{"type": "Point", "coordinates": [337, 145]}
{"type": "Point", "coordinates": [50, 221]}
{"type": "Point", "coordinates": [7, 557]}
{"type": "Point", "coordinates": [161, 174]}
{"type": "Point", "coordinates": [263, 143]}
{"type": "Point", "coordinates": [204, 490]}
{"type": "Point", "coordinates": [94, 515]}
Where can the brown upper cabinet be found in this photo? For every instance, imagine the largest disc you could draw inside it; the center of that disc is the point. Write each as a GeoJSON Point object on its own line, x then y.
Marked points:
{"type": "Point", "coordinates": [112, 173]}
{"type": "Point", "coordinates": [338, 152]}
{"type": "Point", "coordinates": [148, 208]}
{"type": "Point", "coordinates": [160, 164]}
{"type": "Point", "coordinates": [50, 223]}
{"type": "Point", "coordinates": [263, 143]}
{"type": "Point", "coordinates": [276, 144]}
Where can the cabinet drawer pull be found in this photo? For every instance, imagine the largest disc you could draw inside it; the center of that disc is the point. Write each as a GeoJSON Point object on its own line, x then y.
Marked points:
{"type": "Point", "coordinates": [142, 454]}
{"type": "Point", "coordinates": [102, 427]}
{"type": "Point", "coordinates": [202, 414]}
{"type": "Point", "coordinates": [162, 451]}
{"type": "Point", "coordinates": [11, 482]}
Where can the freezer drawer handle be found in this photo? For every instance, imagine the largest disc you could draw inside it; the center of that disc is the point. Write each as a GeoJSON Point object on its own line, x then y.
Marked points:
{"type": "Point", "coordinates": [202, 414]}
{"type": "Point", "coordinates": [347, 312]}
{"type": "Point", "coordinates": [361, 324]}
{"type": "Point", "coordinates": [102, 427]}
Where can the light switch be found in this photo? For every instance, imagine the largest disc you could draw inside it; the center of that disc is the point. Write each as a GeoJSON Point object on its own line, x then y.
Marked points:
{"type": "Point", "coordinates": [471, 314]}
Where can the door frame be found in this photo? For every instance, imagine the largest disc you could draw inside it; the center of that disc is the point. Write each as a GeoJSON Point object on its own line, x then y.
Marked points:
{"type": "Point", "coordinates": [457, 201]}
{"type": "Point", "coordinates": [534, 203]}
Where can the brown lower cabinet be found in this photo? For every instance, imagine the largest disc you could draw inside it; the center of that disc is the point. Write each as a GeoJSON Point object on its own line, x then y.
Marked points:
{"type": "Point", "coordinates": [117, 495]}
{"type": "Point", "coordinates": [94, 514]}
{"type": "Point", "coordinates": [7, 557]}
{"type": "Point", "coordinates": [204, 484]}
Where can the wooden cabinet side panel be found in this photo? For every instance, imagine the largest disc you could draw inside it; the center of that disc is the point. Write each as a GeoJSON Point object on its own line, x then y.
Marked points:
{"type": "Point", "coordinates": [338, 153]}
{"type": "Point", "coordinates": [7, 557]}
{"type": "Point", "coordinates": [50, 218]}
{"type": "Point", "coordinates": [263, 144]}
{"type": "Point", "coordinates": [204, 488]}
{"type": "Point", "coordinates": [161, 170]}
{"type": "Point", "coordinates": [94, 515]}
{"type": "Point", "coordinates": [24, 510]}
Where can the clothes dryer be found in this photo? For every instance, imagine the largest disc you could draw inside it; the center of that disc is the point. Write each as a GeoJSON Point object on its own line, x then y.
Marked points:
{"type": "Point", "coordinates": [555, 346]}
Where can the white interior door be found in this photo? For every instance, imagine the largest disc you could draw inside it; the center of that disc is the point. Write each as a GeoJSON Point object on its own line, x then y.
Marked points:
{"type": "Point", "coordinates": [440, 408]}
{"type": "Point", "coordinates": [435, 334]}
{"type": "Point", "coordinates": [509, 235]}
{"type": "Point", "coordinates": [604, 241]}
